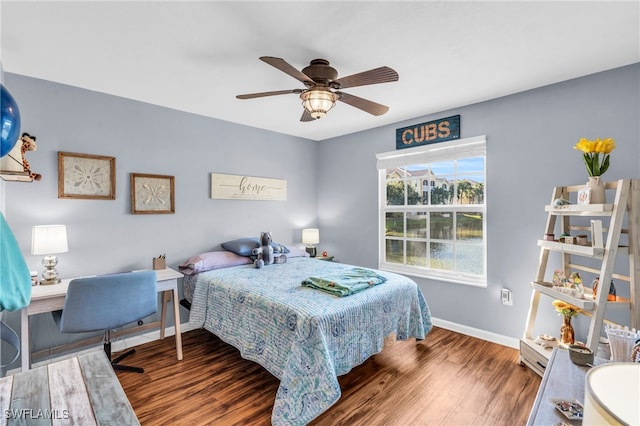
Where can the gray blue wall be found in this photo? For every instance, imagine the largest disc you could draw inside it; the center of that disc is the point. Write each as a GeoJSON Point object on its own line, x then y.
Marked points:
{"type": "Point", "coordinates": [530, 138]}
{"type": "Point", "coordinates": [331, 184]}
{"type": "Point", "coordinates": [103, 236]}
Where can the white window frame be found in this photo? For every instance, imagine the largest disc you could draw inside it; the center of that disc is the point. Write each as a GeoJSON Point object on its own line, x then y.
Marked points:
{"type": "Point", "coordinates": [458, 149]}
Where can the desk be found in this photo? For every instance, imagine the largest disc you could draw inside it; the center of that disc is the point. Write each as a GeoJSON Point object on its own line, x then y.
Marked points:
{"type": "Point", "coordinates": [48, 298]}
{"type": "Point", "coordinates": [83, 390]}
{"type": "Point", "coordinates": [562, 380]}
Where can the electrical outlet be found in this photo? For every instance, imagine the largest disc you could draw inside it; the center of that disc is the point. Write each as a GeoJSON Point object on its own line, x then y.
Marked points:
{"type": "Point", "coordinates": [505, 296]}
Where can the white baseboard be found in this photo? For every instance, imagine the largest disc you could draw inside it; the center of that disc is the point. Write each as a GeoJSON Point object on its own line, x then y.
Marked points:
{"type": "Point", "coordinates": [129, 342]}
{"type": "Point", "coordinates": [117, 345]}
{"type": "Point", "coordinates": [478, 333]}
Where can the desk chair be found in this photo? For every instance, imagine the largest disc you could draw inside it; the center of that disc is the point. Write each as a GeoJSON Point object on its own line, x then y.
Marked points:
{"type": "Point", "coordinates": [106, 302]}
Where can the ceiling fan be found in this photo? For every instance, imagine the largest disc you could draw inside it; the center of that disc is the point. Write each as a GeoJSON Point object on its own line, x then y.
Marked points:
{"type": "Point", "coordinates": [323, 87]}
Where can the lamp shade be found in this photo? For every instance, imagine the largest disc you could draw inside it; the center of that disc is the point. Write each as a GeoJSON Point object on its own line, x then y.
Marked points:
{"type": "Point", "coordinates": [612, 392]}
{"type": "Point", "coordinates": [310, 236]}
{"type": "Point", "coordinates": [318, 101]}
{"type": "Point", "coordinates": [49, 239]}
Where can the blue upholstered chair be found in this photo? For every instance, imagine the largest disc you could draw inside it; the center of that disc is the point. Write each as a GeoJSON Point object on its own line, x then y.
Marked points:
{"type": "Point", "coordinates": [107, 302]}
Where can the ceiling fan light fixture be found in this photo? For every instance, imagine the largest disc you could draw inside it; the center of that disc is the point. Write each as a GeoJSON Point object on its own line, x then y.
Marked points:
{"type": "Point", "coordinates": [323, 87]}
{"type": "Point", "coordinates": [318, 102]}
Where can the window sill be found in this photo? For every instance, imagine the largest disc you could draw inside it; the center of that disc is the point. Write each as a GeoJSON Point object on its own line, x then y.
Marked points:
{"type": "Point", "coordinates": [430, 275]}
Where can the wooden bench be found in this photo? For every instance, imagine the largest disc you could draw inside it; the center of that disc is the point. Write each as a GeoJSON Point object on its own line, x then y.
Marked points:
{"type": "Point", "coordinates": [80, 390]}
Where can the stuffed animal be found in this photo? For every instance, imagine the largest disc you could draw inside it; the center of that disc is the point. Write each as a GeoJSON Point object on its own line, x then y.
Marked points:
{"type": "Point", "coordinates": [28, 144]}
{"type": "Point", "coordinates": [10, 162]}
{"type": "Point", "coordinates": [264, 254]}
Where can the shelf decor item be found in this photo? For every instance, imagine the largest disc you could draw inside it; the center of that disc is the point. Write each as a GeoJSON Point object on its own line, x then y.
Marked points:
{"type": "Point", "coordinates": [580, 354]}
{"type": "Point", "coordinates": [571, 286]}
{"type": "Point", "coordinates": [567, 334]}
{"type": "Point", "coordinates": [596, 166]}
{"type": "Point", "coordinates": [622, 340]}
{"type": "Point", "coordinates": [611, 297]}
{"type": "Point", "coordinates": [567, 311]}
{"type": "Point", "coordinates": [596, 190]}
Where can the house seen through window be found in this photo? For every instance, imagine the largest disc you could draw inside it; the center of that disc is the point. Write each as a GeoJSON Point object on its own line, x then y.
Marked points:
{"type": "Point", "coordinates": [433, 211]}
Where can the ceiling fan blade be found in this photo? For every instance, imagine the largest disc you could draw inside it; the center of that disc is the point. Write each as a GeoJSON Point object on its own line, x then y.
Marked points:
{"type": "Point", "coordinates": [371, 107]}
{"type": "Point", "coordinates": [306, 116]}
{"type": "Point", "coordinates": [374, 76]}
{"type": "Point", "coordinates": [263, 94]}
{"type": "Point", "coordinates": [285, 67]}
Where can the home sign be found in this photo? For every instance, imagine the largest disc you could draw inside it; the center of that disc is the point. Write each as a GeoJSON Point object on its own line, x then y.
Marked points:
{"type": "Point", "coordinates": [242, 187]}
{"type": "Point", "coordinates": [444, 129]}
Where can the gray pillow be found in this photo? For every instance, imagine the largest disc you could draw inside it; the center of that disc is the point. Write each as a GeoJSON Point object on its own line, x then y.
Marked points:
{"type": "Point", "coordinates": [279, 248]}
{"type": "Point", "coordinates": [244, 246]}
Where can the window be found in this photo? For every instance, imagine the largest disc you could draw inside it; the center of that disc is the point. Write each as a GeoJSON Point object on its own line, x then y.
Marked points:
{"type": "Point", "coordinates": [433, 212]}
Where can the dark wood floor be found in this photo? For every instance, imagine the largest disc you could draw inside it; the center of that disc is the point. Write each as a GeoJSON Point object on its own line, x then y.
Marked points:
{"type": "Point", "coordinates": [447, 379]}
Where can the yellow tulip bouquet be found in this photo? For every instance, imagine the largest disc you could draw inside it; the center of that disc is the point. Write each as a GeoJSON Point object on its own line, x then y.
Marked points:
{"type": "Point", "coordinates": [565, 309]}
{"type": "Point", "coordinates": [591, 154]}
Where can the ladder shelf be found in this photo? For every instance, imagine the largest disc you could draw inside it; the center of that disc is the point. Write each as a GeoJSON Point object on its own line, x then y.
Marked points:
{"type": "Point", "coordinates": [609, 240]}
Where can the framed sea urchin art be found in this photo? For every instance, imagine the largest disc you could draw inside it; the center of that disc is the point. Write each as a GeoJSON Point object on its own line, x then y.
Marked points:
{"type": "Point", "coordinates": [152, 194]}
{"type": "Point", "coordinates": [86, 176]}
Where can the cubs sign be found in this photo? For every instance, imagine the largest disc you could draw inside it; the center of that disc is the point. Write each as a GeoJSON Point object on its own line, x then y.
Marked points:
{"type": "Point", "coordinates": [444, 129]}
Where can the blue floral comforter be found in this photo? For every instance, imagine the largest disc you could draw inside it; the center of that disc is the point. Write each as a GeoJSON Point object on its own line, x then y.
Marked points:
{"type": "Point", "coordinates": [303, 336]}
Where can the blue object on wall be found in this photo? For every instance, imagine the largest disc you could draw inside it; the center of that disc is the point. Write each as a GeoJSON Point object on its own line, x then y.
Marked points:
{"type": "Point", "coordinates": [10, 121]}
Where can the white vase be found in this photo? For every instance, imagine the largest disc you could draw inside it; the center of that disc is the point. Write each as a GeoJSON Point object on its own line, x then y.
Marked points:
{"type": "Point", "coordinates": [596, 185]}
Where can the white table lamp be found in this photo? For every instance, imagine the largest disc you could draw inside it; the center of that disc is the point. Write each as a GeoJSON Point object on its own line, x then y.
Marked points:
{"type": "Point", "coordinates": [311, 237]}
{"type": "Point", "coordinates": [49, 240]}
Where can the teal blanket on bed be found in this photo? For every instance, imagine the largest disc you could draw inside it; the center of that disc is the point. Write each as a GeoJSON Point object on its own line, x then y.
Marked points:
{"type": "Point", "coordinates": [345, 283]}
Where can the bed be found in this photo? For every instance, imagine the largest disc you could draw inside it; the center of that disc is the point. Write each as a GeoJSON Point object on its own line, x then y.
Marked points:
{"type": "Point", "coordinates": [305, 337]}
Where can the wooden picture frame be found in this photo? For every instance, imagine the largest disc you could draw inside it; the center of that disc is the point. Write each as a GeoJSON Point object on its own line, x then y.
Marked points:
{"type": "Point", "coordinates": [152, 194]}
{"type": "Point", "coordinates": [86, 176]}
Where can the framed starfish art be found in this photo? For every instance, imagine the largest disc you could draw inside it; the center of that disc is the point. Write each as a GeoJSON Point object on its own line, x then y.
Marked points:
{"type": "Point", "coordinates": [152, 194]}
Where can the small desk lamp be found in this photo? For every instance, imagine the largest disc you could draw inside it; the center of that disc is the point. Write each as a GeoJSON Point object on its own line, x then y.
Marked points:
{"type": "Point", "coordinates": [311, 237]}
{"type": "Point", "coordinates": [49, 240]}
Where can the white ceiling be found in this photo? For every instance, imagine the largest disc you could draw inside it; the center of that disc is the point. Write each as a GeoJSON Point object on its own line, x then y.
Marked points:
{"type": "Point", "coordinates": [196, 56]}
